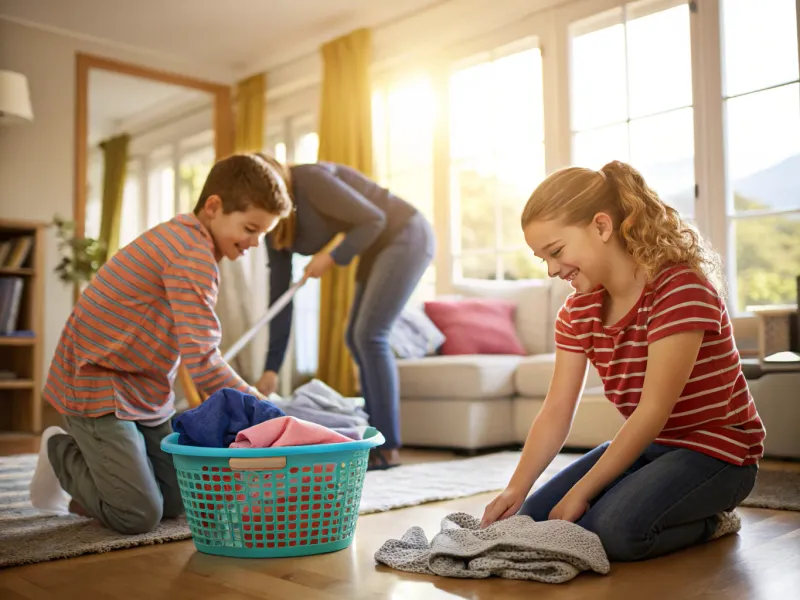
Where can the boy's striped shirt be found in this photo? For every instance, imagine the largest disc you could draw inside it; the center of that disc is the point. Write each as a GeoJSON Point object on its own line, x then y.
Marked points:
{"type": "Point", "coordinates": [715, 414]}
{"type": "Point", "coordinates": [149, 307]}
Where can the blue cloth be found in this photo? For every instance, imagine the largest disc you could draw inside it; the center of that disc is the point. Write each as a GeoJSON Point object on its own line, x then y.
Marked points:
{"type": "Point", "coordinates": [666, 501]}
{"type": "Point", "coordinates": [215, 423]}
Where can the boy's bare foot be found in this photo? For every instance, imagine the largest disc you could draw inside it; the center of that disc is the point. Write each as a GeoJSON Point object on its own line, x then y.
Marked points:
{"type": "Point", "coordinates": [77, 509]}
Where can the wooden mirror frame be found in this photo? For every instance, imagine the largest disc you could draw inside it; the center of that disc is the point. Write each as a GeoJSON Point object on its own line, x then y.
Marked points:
{"type": "Point", "coordinates": [223, 138]}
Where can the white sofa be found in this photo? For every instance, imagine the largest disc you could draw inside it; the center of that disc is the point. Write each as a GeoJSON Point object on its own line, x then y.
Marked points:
{"type": "Point", "coordinates": [480, 401]}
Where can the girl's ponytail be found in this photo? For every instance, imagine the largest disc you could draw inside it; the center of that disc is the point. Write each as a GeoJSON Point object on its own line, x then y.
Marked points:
{"type": "Point", "coordinates": [652, 231]}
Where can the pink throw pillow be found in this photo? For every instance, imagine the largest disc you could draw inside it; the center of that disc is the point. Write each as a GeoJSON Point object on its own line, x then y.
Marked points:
{"type": "Point", "coordinates": [476, 326]}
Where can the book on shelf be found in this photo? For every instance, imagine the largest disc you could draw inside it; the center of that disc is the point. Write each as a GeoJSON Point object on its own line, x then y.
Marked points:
{"type": "Point", "coordinates": [14, 252]}
{"type": "Point", "coordinates": [11, 289]}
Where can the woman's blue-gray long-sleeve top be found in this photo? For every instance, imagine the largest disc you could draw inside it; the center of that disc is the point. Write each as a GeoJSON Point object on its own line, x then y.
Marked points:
{"type": "Point", "coordinates": [331, 199]}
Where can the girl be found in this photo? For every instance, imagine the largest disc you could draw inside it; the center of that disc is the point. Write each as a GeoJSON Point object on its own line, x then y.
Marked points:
{"type": "Point", "coordinates": [394, 243]}
{"type": "Point", "coordinates": [647, 313]}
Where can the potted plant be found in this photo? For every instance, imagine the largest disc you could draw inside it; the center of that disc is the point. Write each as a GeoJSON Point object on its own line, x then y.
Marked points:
{"type": "Point", "coordinates": [81, 258]}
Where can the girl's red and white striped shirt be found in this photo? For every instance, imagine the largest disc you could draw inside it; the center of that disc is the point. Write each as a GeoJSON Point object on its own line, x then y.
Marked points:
{"type": "Point", "coordinates": [715, 414]}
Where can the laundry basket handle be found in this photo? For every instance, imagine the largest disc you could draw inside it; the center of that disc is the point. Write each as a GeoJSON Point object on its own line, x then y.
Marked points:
{"type": "Point", "coordinates": [257, 464]}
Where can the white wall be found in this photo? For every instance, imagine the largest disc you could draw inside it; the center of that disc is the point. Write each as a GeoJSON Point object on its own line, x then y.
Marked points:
{"type": "Point", "coordinates": [36, 159]}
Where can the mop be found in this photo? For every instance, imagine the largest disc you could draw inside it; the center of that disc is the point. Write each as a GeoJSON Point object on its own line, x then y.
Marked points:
{"type": "Point", "coordinates": [272, 311]}
{"type": "Point", "coordinates": [192, 394]}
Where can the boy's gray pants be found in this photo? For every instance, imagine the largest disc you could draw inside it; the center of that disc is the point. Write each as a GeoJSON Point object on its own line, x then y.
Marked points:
{"type": "Point", "coordinates": [117, 471]}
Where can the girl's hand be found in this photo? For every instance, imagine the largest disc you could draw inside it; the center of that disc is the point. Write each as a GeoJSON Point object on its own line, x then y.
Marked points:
{"type": "Point", "coordinates": [507, 504]}
{"type": "Point", "coordinates": [571, 507]}
{"type": "Point", "coordinates": [319, 265]}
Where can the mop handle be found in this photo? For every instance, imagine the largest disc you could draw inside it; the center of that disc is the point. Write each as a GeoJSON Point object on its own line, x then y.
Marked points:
{"type": "Point", "coordinates": [272, 311]}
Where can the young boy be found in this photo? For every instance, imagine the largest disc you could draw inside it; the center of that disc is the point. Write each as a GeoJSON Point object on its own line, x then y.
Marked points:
{"type": "Point", "coordinates": [113, 373]}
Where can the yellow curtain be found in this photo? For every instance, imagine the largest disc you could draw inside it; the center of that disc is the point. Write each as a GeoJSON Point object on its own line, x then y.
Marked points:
{"type": "Point", "coordinates": [115, 164]}
{"type": "Point", "coordinates": [345, 137]}
{"type": "Point", "coordinates": [248, 137]}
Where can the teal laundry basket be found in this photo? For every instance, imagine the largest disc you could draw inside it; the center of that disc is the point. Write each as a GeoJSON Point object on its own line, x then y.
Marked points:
{"type": "Point", "coordinates": [272, 502]}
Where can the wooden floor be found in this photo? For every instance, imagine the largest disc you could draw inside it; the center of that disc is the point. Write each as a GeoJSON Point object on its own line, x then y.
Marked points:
{"type": "Point", "coordinates": [761, 562]}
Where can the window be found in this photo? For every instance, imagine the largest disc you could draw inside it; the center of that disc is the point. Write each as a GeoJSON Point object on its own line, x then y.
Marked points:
{"type": "Point", "coordinates": [496, 140]}
{"type": "Point", "coordinates": [403, 113]}
{"type": "Point", "coordinates": [761, 97]}
{"type": "Point", "coordinates": [160, 186]}
{"type": "Point", "coordinates": [294, 141]}
{"type": "Point", "coordinates": [306, 148]}
{"type": "Point", "coordinates": [130, 226]}
{"type": "Point", "coordinates": [631, 95]}
{"type": "Point", "coordinates": [193, 169]}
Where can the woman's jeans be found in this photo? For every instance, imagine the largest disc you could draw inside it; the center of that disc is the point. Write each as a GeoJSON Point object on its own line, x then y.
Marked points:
{"type": "Point", "coordinates": [378, 302]}
{"type": "Point", "coordinates": [667, 500]}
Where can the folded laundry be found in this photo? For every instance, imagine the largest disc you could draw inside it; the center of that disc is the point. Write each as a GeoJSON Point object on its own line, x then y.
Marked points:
{"type": "Point", "coordinates": [216, 421]}
{"type": "Point", "coordinates": [514, 548]}
{"type": "Point", "coordinates": [286, 431]}
{"type": "Point", "coordinates": [318, 403]}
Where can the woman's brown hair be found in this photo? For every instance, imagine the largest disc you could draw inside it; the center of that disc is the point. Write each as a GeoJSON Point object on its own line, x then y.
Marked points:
{"type": "Point", "coordinates": [283, 235]}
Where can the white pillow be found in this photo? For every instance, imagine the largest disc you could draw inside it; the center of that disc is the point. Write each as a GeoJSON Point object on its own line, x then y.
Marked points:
{"type": "Point", "coordinates": [414, 335]}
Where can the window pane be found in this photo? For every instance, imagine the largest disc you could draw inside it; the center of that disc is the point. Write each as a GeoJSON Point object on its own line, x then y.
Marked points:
{"type": "Point", "coordinates": [767, 260]}
{"type": "Point", "coordinates": [522, 264]}
{"type": "Point", "coordinates": [517, 177]}
{"type": "Point", "coordinates": [472, 192]}
{"type": "Point", "coordinates": [659, 60]}
{"type": "Point", "coordinates": [130, 223]}
{"type": "Point", "coordinates": [279, 152]}
{"type": "Point", "coordinates": [593, 149]}
{"type": "Point", "coordinates": [194, 169]}
{"type": "Point", "coordinates": [478, 266]}
{"type": "Point", "coordinates": [380, 135]}
{"type": "Point", "coordinates": [760, 44]}
{"type": "Point", "coordinates": [497, 154]}
{"type": "Point", "coordinates": [662, 148]}
{"type": "Point", "coordinates": [306, 148]}
{"type": "Point", "coordinates": [415, 187]}
{"type": "Point", "coordinates": [161, 195]}
{"type": "Point", "coordinates": [518, 111]}
{"type": "Point", "coordinates": [472, 93]}
{"type": "Point", "coordinates": [763, 149]}
{"type": "Point", "coordinates": [597, 66]}
{"type": "Point", "coordinates": [411, 107]}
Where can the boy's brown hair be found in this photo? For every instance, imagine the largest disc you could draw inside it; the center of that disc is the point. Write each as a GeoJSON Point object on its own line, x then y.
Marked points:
{"type": "Point", "coordinates": [245, 180]}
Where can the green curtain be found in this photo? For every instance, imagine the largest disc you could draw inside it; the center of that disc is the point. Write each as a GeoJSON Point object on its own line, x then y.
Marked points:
{"type": "Point", "coordinates": [115, 164]}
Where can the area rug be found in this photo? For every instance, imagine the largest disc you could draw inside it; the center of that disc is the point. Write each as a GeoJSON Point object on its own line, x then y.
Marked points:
{"type": "Point", "coordinates": [29, 536]}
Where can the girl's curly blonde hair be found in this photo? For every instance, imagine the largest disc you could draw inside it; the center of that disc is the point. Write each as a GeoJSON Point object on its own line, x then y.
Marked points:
{"type": "Point", "coordinates": [650, 230]}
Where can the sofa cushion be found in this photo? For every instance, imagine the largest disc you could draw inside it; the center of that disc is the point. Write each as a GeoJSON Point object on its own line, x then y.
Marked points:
{"type": "Point", "coordinates": [532, 378]}
{"type": "Point", "coordinates": [532, 299]}
{"type": "Point", "coordinates": [448, 377]}
{"type": "Point", "coordinates": [476, 326]}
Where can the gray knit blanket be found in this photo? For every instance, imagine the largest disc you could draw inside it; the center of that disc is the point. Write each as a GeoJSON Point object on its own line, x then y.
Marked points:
{"type": "Point", "coordinates": [515, 548]}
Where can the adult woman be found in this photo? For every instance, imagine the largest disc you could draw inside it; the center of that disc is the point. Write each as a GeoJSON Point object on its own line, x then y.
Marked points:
{"type": "Point", "coordinates": [394, 243]}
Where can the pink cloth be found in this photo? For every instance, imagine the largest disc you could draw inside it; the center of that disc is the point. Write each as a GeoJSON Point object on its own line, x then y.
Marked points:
{"type": "Point", "coordinates": [286, 431]}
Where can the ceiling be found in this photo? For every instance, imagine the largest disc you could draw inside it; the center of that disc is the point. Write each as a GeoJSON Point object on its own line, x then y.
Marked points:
{"type": "Point", "coordinates": [237, 36]}
{"type": "Point", "coordinates": [119, 102]}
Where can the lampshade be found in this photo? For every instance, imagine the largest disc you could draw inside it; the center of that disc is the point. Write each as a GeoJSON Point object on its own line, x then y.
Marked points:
{"type": "Point", "coordinates": [15, 99]}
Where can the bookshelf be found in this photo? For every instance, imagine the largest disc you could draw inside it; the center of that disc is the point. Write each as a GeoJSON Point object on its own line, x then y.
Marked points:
{"type": "Point", "coordinates": [21, 321]}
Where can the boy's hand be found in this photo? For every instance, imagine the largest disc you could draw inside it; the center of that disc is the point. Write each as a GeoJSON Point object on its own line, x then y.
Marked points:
{"type": "Point", "coordinates": [507, 504]}
{"type": "Point", "coordinates": [319, 265]}
{"type": "Point", "coordinates": [268, 383]}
